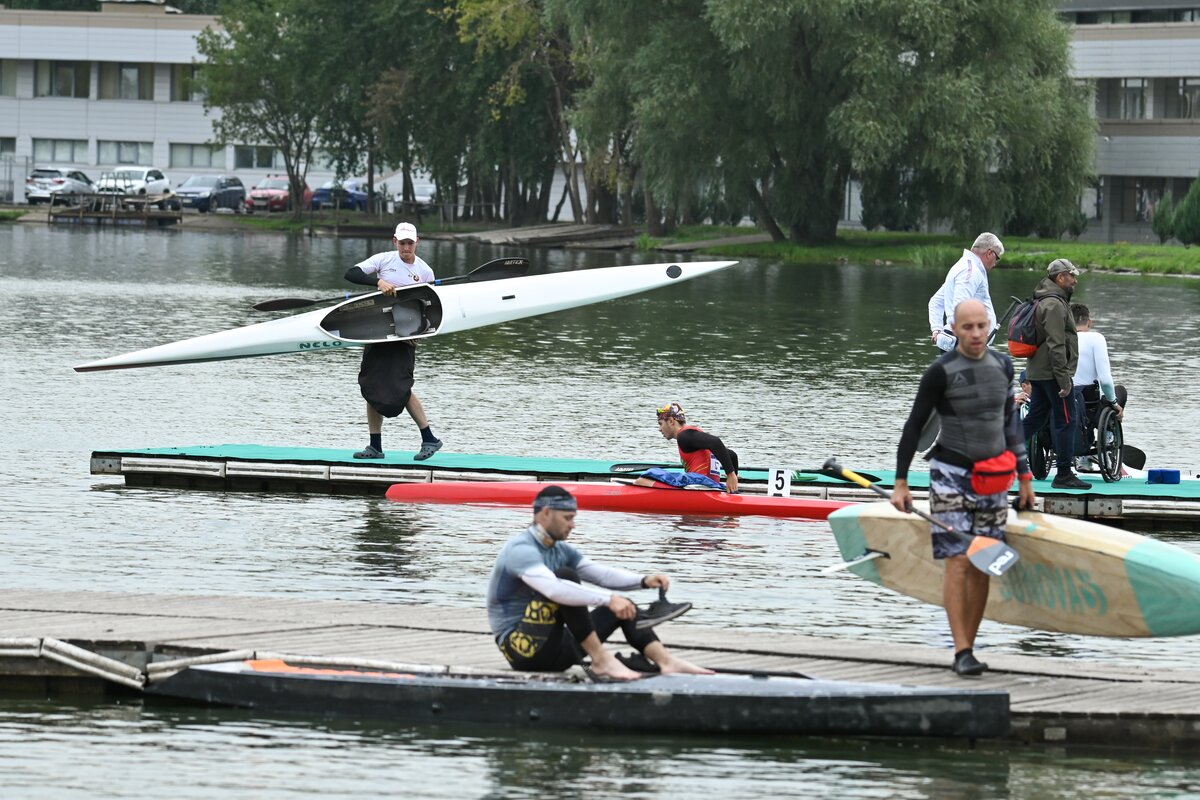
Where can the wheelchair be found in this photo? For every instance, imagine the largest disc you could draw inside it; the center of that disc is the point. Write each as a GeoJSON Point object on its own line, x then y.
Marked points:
{"type": "Point", "coordinates": [1100, 438]}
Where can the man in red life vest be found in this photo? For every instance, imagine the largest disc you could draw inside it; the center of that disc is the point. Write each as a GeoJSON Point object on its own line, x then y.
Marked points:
{"type": "Point", "coordinates": [703, 455]}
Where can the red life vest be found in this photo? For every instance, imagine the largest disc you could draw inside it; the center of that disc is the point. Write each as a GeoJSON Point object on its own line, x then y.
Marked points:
{"type": "Point", "coordinates": [701, 462]}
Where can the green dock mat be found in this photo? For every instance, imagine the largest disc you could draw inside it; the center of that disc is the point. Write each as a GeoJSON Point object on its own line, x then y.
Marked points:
{"type": "Point", "coordinates": [583, 468]}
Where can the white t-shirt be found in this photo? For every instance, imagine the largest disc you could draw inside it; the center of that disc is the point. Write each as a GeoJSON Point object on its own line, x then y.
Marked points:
{"type": "Point", "coordinates": [1093, 363]}
{"type": "Point", "coordinates": [966, 280]}
{"type": "Point", "coordinates": [392, 269]}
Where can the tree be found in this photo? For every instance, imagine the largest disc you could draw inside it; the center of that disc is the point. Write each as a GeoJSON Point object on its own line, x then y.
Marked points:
{"type": "Point", "coordinates": [256, 72]}
{"type": "Point", "coordinates": [1186, 219]}
{"type": "Point", "coordinates": [1163, 223]}
{"type": "Point", "coordinates": [784, 100]}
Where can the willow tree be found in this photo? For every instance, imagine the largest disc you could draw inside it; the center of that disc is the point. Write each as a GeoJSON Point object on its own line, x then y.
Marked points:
{"type": "Point", "coordinates": [971, 100]}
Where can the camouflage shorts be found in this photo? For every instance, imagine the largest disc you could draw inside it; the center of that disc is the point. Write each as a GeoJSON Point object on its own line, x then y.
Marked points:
{"type": "Point", "coordinates": [952, 501]}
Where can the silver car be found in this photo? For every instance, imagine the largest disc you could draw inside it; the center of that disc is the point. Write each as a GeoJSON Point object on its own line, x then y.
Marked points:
{"type": "Point", "coordinates": [51, 184]}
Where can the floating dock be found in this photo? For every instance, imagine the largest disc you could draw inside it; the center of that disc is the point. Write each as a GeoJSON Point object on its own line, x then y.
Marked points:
{"type": "Point", "coordinates": [1128, 503]}
{"type": "Point", "coordinates": [120, 643]}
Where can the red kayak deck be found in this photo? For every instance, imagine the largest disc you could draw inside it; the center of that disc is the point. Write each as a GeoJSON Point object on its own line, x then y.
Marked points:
{"type": "Point", "coordinates": [616, 497]}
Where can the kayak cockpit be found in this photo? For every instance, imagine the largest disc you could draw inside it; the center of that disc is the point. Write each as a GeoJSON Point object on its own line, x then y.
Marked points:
{"type": "Point", "coordinates": [411, 313]}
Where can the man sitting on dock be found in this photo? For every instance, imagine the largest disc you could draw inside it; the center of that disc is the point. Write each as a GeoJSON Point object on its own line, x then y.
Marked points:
{"type": "Point", "coordinates": [538, 608]}
{"type": "Point", "coordinates": [385, 376]}
{"type": "Point", "coordinates": [703, 455]}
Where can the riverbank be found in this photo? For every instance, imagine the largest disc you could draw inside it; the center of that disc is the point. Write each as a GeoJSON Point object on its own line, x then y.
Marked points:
{"type": "Point", "coordinates": [851, 246]}
{"type": "Point", "coordinates": [936, 250]}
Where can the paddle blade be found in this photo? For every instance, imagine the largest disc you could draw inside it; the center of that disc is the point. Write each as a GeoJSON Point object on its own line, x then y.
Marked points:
{"type": "Point", "coordinates": [991, 555]}
{"type": "Point", "coordinates": [493, 270]}
{"type": "Point", "coordinates": [1133, 457]}
{"type": "Point", "coordinates": [284, 304]}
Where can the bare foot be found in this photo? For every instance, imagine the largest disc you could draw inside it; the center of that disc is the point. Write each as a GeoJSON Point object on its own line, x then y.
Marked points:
{"type": "Point", "coordinates": [674, 665]}
{"type": "Point", "coordinates": [613, 669]}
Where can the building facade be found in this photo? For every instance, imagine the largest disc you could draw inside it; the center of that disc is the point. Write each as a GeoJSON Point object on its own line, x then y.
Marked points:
{"type": "Point", "coordinates": [1142, 60]}
{"type": "Point", "coordinates": [97, 90]}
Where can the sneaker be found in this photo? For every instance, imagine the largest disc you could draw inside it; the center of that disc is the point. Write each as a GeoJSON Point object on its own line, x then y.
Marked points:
{"type": "Point", "coordinates": [1069, 480]}
{"type": "Point", "coordinates": [428, 449]}
{"type": "Point", "coordinates": [660, 611]}
{"type": "Point", "coordinates": [369, 452]}
{"type": "Point", "coordinates": [967, 665]}
{"type": "Point", "coordinates": [1083, 464]}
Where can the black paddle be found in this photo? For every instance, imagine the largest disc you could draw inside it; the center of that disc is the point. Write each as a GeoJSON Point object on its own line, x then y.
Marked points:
{"type": "Point", "coordinates": [491, 271]}
{"type": "Point", "coordinates": [1133, 456]}
{"type": "Point", "coordinates": [988, 555]}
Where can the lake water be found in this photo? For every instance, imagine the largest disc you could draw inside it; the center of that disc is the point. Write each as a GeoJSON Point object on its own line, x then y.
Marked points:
{"type": "Point", "coordinates": [788, 363]}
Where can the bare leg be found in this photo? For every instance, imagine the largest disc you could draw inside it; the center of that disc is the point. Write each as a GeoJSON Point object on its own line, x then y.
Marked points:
{"type": "Point", "coordinates": [670, 663]}
{"type": "Point", "coordinates": [416, 411]}
{"type": "Point", "coordinates": [964, 597]}
{"type": "Point", "coordinates": [645, 482]}
{"type": "Point", "coordinates": [374, 420]}
{"type": "Point", "coordinates": [604, 663]}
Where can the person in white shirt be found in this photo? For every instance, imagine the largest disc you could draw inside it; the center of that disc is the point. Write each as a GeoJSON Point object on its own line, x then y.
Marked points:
{"type": "Point", "coordinates": [1093, 367]}
{"type": "Point", "coordinates": [966, 280]}
{"type": "Point", "coordinates": [386, 373]}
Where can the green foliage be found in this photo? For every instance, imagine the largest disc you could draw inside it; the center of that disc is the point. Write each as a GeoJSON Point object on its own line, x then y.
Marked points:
{"type": "Point", "coordinates": [1186, 219]}
{"type": "Point", "coordinates": [1163, 223]}
{"type": "Point", "coordinates": [258, 72]}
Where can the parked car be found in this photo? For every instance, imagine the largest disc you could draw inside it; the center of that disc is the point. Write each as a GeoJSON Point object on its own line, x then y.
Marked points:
{"type": "Point", "coordinates": [209, 192]}
{"type": "Point", "coordinates": [350, 193]}
{"type": "Point", "coordinates": [50, 184]}
{"type": "Point", "coordinates": [134, 180]}
{"type": "Point", "coordinates": [424, 194]}
{"type": "Point", "coordinates": [271, 194]}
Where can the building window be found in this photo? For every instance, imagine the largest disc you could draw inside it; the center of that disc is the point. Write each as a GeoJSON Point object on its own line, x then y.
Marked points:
{"type": "Point", "coordinates": [1133, 97]}
{"type": "Point", "coordinates": [140, 153]}
{"type": "Point", "coordinates": [1183, 98]}
{"type": "Point", "coordinates": [126, 81]}
{"type": "Point", "coordinates": [63, 79]}
{"type": "Point", "coordinates": [250, 157]}
{"type": "Point", "coordinates": [197, 155]}
{"type": "Point", "coordinates": [8, 145]}
{"type": "Point", "coordinates": [60, 151]}
{"type": "Point", "coordinates": [183, 84]}
{"type": "Point", "coordinates": [8, 77]}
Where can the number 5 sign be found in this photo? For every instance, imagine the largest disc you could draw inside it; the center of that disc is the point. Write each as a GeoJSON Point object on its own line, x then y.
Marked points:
{"type": "Point", "coordinates": [779, 482]}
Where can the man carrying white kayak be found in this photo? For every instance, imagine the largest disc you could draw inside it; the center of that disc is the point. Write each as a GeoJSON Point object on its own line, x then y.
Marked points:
{"type": "Point", "coordinates": [385, 376]}
{"type": "Point", "coordinates": [980, 449]}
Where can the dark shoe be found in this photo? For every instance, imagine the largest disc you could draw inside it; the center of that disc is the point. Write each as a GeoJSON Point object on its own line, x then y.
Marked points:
{"type": "Point", "coordinates": [638, 663]}
{"type": "Point", "coordinates": [660, 611]}
{"type": "Point", "coordinates": [369, 452]}
{"type": "Point", "coordinates": [1069, 480]}
{"type": "Point", "coordinates": [428, 449]}
{"type": "Point", "coordinates": [967, 665]}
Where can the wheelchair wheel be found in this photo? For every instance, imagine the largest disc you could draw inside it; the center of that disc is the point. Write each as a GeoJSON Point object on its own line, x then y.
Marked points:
{"type": "Point", "coordinates": [1041, 455]}
{"type": "Point", "coordinates": [1109, 440]}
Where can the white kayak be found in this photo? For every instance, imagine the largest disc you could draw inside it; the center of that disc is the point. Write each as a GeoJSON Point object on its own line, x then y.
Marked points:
{"type": "Point", "coordinates": [415, 312]}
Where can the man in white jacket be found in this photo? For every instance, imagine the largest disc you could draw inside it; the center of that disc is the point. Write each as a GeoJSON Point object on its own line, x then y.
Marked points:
{"type": "Point", "coordinates": [966, 280]}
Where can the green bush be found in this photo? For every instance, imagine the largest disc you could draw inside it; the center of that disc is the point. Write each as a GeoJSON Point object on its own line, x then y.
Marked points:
{"type": "Point", "coordinates": [1163, 223]}
{"type": "Point", "coordinates": [1186, 219]}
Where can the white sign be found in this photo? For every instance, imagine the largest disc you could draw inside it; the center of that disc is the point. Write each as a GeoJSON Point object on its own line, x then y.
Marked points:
{"type": "Point", "coordinates": [779, 482]}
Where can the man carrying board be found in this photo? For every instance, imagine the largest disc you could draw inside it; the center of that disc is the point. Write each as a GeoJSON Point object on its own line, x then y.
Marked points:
{"type": "Point", "coordinates": [979, 450]}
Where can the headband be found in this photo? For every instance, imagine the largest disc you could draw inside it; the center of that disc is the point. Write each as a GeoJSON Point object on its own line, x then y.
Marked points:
{"type": "Point", "coordinates": [562, 502]}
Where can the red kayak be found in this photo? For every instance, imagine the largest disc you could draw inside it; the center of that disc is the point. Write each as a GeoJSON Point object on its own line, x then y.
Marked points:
{"type": "Point", "coordinates": [598, 496]}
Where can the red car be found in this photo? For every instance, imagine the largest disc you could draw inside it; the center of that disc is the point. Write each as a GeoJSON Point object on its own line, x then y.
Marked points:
{"type": "Point", "coordinates": [271, 194]}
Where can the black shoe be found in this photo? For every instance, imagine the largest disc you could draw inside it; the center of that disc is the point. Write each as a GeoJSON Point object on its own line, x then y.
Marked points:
{"type": "Point", "coordinates": [1069, 480]}
{"type": "Point", "coordinates": [638, 663]}
{"type": "Point", "coordinates": [967, 665]}
{"type": "Point", "coordinates": [428, 449]}
{"type": "Point", "coordinates": [660, 611]}
{"type": "Point", "coordinates": [369, 452]}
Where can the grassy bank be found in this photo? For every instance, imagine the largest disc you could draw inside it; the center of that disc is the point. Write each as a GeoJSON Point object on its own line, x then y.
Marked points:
{"type": "Point", "coordinates": [936, 250]}
{"type": "Point", "coordinates": [11, 216]}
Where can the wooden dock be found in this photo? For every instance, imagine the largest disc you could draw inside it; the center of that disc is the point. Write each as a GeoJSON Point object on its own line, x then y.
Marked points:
{"type": "Point", "coordinates": [257, 468]}
{"type": "Point", "coordinates": [1059, 701]}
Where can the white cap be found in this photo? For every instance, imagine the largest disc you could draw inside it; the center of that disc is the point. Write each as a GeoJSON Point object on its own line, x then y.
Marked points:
{"type": "Point", "coordinates": [406, 230]}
